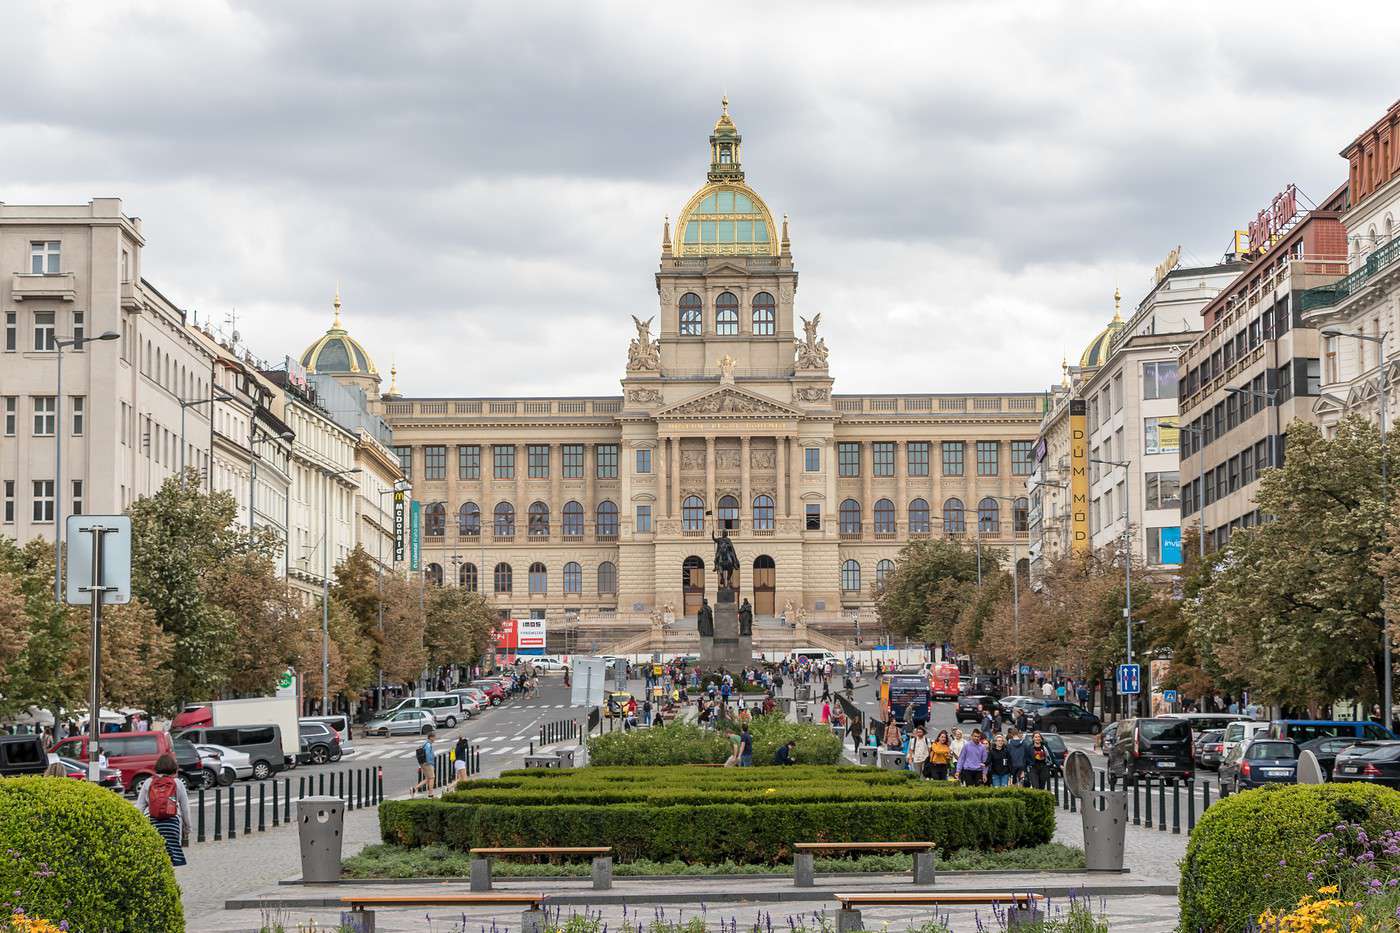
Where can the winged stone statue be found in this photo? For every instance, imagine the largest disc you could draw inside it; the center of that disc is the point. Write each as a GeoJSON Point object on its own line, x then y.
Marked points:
{"type": "Point", "coordinates": [643, 352]}
{"type": "Point", "coordinates": [811, 352]}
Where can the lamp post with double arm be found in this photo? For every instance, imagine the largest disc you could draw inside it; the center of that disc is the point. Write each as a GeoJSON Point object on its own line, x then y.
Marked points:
{"type": "Point", "coordinates": [331, 477]}
{"type": "Point", "coordinates": [1131, 707]}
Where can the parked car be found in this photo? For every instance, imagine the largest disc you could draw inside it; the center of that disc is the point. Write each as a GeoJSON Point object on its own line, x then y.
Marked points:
{"type": "Point", "coordinates": [1058, 750]}
{"type": "Point", "coordinates": [1326, 750]}
{"type": "Point", "coordinates": [1370, 762]}
{"type": "Point", "coordinates": [1239, 732]}
{"type": "Point", "coordinates": [1156, 747]}
{"type": "Point", "coordinates": [110, 778]}
{"type": "Point", "coordinates": [319, 743]}
{"type": "Point", "coordinates": [1063, 716]}
{"type": "Point", "coordinates": [262, 744]}
{"type": "Point", "coordinates": [493, 689]}
{"type": "Point", "coordinates": [545, 662]}
{"type": "Point", "coordinates": [1260, 761]}
{"type": "Point", "coordinates": [473, 700]}
{"type": "Point", "coordinates": [969, 707]}
{"type": "Point", "coordinates": [341, 724]}
{"type": "Point", "coordinates": [233, 765]}
{"type": "Point", "coordinates": [134, 754]}
{"type": "Point", "coordinates": [402, 722]}
{"type": "Point", "coordinates": [1209, 747]}
{"type": "Point", "coordinates": [1203, 722]}
{"type": "Point", "coordinates": [1008, 704]}
{"type": "Point", "coordinates": [21, 755]}
{"type": "Point", "coordinates": [1305, 730]}
{"type": "Point", "coordinates": [615, 703]}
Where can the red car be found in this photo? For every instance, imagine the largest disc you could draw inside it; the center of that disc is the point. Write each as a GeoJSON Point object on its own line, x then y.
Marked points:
{"type": "Point", "coordinates": [110, 778]}
{"type": "Point", "coordinates": [493, 690]}
{"type": "Point", "coordinates": [133, 754]}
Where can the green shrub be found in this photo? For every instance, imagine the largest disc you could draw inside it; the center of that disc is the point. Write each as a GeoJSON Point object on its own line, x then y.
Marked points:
{"type": "Point", "coordinates": [708, 815]}
{"type": "Point", "coordinates": [79, 853]}
{"type": "Point", "coordinates": [687, 744]}
{"type": "Point", "coordinates": [1253, 851]}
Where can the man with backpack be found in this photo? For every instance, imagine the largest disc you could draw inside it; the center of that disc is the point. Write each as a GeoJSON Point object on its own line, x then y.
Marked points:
{"type": "Point", "coordinates": [427, 766]}
{"type": "Point", "coordinates": [164, 801]}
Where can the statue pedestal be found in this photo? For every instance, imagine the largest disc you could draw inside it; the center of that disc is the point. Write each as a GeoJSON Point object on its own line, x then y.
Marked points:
{"type": "Point", "coordinates": [727, 649]}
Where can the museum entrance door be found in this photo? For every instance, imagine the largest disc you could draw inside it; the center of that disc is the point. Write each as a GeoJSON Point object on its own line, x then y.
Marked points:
{"type": "Point", "coordinates": [765, 585]}
{"type": "Point", "coordinates": [692, 584]}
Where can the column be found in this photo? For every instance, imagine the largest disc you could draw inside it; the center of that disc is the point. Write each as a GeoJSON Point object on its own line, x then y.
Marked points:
{"type": "Point", "coordinates": [522, 501]}
{"type": "Point", "coordinates": [668, 485]}
{"type": "Point", "coordinates": [901, 483]}
{"type": "Point", "coordinates": [867, 493]}
{"type": "Point", "coordinates": [783, 503]}
{"type": "Point", "coordinates": [829, 509]}
{"type": "Point", "coordinates": [556, 490]}
{"type": "Point", "coordinates": [745, 487]}
{"type": "Point", "coordinates": [590, 474]}
{"type": "Point", "coordinates": [488, 474]}
{"type": "Point", "coordinates": [710, 474]}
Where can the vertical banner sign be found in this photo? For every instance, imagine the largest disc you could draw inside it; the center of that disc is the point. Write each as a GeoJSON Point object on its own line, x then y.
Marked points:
{"type": "Point", "coordinates": [399, 498]}
{"type": "Point", "coordinates": [1078, 477]}
{"type": "Point", "coordinates": [415, 536]}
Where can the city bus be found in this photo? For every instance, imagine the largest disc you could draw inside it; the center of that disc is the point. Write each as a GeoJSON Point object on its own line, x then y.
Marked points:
{"type": "Point", "coordinates": [943, 680]}
{"type": "Point", "coordinates": [899, 691]}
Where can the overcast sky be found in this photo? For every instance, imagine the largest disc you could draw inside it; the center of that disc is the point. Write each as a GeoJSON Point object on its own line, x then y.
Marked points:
{"type": "Point", "coordinates": [967, 182]}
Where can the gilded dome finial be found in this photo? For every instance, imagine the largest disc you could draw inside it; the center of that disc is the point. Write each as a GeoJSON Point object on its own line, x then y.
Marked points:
{"type": "Point", "coordinates": [1117, 300]}
{"type": "Point", "coordinates": [724, 105]}
{"type": "Point", "coordinates": [336, 304]}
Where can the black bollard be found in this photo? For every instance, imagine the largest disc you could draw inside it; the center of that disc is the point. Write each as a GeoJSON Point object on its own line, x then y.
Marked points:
{"type": "Point", "coordinates": [1176, 807]}
{"type": "Point", "coordinates": [379, 784]}
{"type": "Point", "coordinates": [359, 796]}
{"type": "Point", "coordinates": [532, 748]}
{"type": "Point", "coordinates": [199, 823]}
{"type": "Point", "coordinates": [1190, 806]}
{"type": "Point", "coordinates": [321, 782]}
{"type": "Point", "coordinates": [247, 809]}
{"type": "Point", "coordinates": [276, 813]}
{"type": "Point", "coordinates": [262, 808]}
{"type": "Point", "coordinates": [1205, 796]}
{"type": "Point", "coordinates": [476, 755]}
{"type": "Point", "coordinates": [1162, 805]}
{"type": "Point", "coordinates": [301, 787]}
{"type": "Point", "coordinates": [218, 813]}
{"type": "Point", "coordinates": [287, 801]}
{"type": "Point", "coordinates": [1136, 820]}
{"type": "Point", "coordinates": [232, 817]}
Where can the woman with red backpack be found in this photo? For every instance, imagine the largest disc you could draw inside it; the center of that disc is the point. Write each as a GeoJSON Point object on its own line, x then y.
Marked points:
{"type": "Point", "coordinates": [164, 801]}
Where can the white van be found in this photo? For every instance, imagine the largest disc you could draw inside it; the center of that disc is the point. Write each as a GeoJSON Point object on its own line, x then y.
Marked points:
{"type": "Point", "coordinates": [818, 657]}
{"type": "Point", "coordinates": [445, 707]}
{"type": "Point", "coordinates": [1239, 732]}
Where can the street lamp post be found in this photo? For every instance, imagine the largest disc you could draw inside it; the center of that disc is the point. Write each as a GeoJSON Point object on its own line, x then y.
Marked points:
{"type": "Point", "coordinates": [331, 477]}
{"type": "Point", "coordinates": [1015, 586]}
{"type": "Point", "coordinates": [188, 403]}
{"type": "Point", "coordinates": [1127, 562]}
{"type": "Point", "coordinates": [77, 344]}
{"type": "Point", "coordinates": [1386, 688]}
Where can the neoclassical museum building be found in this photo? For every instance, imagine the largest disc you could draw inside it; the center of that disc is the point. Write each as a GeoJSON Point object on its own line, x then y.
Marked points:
{"type": "Point", "coordinates": [604, 505]}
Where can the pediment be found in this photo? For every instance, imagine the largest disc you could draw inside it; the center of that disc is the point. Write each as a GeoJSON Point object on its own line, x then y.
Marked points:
{"type": "Point", "coordinates": [728, 400]}
{"type": "Point", "coordinates": [1328, 404]}
{"type": "Point", "coordinates": [726, 265]}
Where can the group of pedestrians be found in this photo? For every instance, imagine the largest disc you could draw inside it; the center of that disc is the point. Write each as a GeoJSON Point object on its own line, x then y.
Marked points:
{"type": "Point", "coordinates": [980, 758]}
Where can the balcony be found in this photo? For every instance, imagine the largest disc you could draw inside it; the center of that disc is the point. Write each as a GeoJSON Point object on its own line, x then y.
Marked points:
{"type": "Point", "coordinates": [60, 285]}
{"type": "Point", "coordinates": [605, 537]}
{"type": "Point", "coordinates": [503, 537]}
{"type": "Point", "coordinates": [1325, 296]}
{"type": "Point", "coordinates": [847, 535]}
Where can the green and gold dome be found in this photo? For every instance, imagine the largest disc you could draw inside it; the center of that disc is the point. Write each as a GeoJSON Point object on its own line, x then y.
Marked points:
{"type": "Point", "coordinates": [1096, 353]}
{"type": "Point", "coordinates": [337, 353]}
{"type": "Point", "coordinates": [726, 217]}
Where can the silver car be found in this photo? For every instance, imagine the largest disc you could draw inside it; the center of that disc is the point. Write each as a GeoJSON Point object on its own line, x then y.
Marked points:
{"type": "Point", "coordinates": [402, 722]}
{"type": "Point", "coordinates": [233, 765]}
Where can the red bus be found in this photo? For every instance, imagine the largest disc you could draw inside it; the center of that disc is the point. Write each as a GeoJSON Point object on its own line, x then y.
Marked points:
{"type": "Point", "coordinates": [943, 680]}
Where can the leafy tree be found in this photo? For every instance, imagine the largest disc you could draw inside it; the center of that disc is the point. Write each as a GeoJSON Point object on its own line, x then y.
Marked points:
{"type": "Point", "coordinates": [403, 655]}
{"type": "Point", "coordinates": [266, 621]}
{"type": "Point", "coordinates": [461, 625]}
{"type": "Point", "coordinates": [136, 654]}
{"type": "Point", "coordinates": [50, 668]}
{"type": "Point", "coordinates": [931, 584]}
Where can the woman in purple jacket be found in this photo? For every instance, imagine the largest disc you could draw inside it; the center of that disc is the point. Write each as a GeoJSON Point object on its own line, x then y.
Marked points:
{"type": "Point", "coordinates": [972, 760]}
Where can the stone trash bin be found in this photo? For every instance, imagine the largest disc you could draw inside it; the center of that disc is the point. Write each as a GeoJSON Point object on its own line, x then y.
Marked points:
{"type": "Point", "coordinates": [868, 755]}
{"type": "Point", "coordinates": [569, 756]}
{"type": "Point", "coordinates": [550, 760]}
{"type": "Point", "coordinates": [892, 759]}
{"type": "Point", "coordinates": [1104, 830]}
{"type": "Point", "coordinates": [321, 828]}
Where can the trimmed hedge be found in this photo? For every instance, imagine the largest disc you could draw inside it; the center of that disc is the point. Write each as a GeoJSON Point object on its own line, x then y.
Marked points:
{"type": "Point", "coordinates": [707, 815]}
{"type": "Point", "coordinates": [1253, 851]}
{"type": "Point", "coordinates": [79, 853]}
{"type": "Point", "coordinates": [688, 744]}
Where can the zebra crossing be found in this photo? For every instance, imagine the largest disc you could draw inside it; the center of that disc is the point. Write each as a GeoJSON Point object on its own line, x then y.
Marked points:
{"type": "Point", "coordinates": [498, 746]}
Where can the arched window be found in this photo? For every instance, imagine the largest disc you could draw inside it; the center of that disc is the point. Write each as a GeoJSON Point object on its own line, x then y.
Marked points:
{"type": "Point", "coordinates": [764, 314]}
{"type": "Point", "coordinates": [538, 526]}
{"type": "Point", "coordinates": [763, 513]}
{"type": "Point", "coordinates": [573, 520]}
{"type": "Point", "coordinates": [573, 577]}
{"type": "Point", "coordinates": [884, 517]}
{"type": "Point", "coordinates": [882, 572]}
{"type": "Point", "coordinates": [850, 517]}
{"type": "Point", "coordinates": [918, 517]}
{"type": "Point", "coordinates": [729, 513]}
{"type": "Point", "coordinates": [607, 578]}
{"type": "Point", "coordinates": [1023, 568]}
{"type": "Point", "coordinates": [434, 573]}
{"type": "Point", "coordinates": [691, 315]}
{"type": "Point", "coordinates": [607, 519]}
{"type": "Point", "coordinates": [1021, 514]}
{"type": "Point", "coordinates": [727, 314]}
{"type": "Point", "coordinates": [466, 577]}
{"type": "Point", "coordinates": [850, 576]}
{"type": "Point", "coordinates": [539, 579]}
{"type": "Point", "coordinates": [693, 514]}
{"type": "Point", "coordinates": [988, 516]}
{"type": "Point", "coordinates": [435, 520]}
{"type": "Point", "coordinates": [469, 520]}
{"type": "Point", "coordinates": [505, 519]}
{"type": "Point", "coordinates": [953, 523]}
{"type": "Point", "coordinates": [503, 580]}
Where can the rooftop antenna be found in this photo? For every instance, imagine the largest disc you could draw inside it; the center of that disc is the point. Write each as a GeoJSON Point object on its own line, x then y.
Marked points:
{"type": "Point", "coordinates": [232, 320]}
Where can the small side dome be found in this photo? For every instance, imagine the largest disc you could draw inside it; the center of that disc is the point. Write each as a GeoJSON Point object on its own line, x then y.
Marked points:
{"type": "Point", "coordinates": [338, 353]}
{"type": "Point", "coordinates": [1096, 353]}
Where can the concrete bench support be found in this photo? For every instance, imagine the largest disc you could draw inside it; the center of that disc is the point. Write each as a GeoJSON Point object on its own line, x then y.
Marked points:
{"type": "Point", "coordinates": [848, 921]}
{"type": "Point", "coordinates": [532, 921]}
{"type": "Point", "coordinates": [481, 874]}
{"type": "Point", "coordinates": [602, 873]}
{"type": "Point", "coordinates": [803, 869]}
{"type": "Point", "coordinates": [357, 921]}
{"type": "Point", "coordinates": [1016, 916]}
{"type": "Point", "coordinates": [923, 868]}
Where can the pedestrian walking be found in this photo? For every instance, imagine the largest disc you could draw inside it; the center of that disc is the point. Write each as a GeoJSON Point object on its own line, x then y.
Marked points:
{"type": "Point", "coordinates": [745, 747]}
{"type": "Point", "coordinates": [427, 769]}
{"type": "Point", "coordinates": [1016, 745]}
{"type": "Point", "coordinates": [938, 754]}
{"type": "Point", "coordinates": [1038, 762]}
{"type": "Point", "coordinates": [1047, 690]}
{"type": "Point", "coordinates": [165, 803]}
{"type": "Point", "coordinates": [460, 753]}
{"type": "Point", "coordinates": [999, 762]}
{"type": "Point", "coordinates": [919, 752]}
{"type": "Point", "coordinates": [894, 739]}
{"type": "Point", "coordinates": [986, 722]}
{"type": "Point", "coordinates": [955, 748]}
{"type": "Point", "coordinates": [972, 762]}
{"type": "Point", "coordinates": [826, 711]}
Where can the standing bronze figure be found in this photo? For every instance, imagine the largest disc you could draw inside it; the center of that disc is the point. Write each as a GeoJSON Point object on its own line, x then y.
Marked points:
{"type": "Point", "coordinates": [726, 561]}
{"type": "Point", "coordinates": [705, 619]}
{"type": "Point", "coordinates": [745, 618]}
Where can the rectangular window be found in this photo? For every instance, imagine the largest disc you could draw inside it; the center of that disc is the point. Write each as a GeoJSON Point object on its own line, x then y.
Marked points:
{"type": "Point", "coordinates": [814, 516]}
{"type": "Point", "coordinates": [11, 331]}
{"type": "Point", "coordinates": [43, 500]}
{"type": "Point", "coordinates": [469, 461]}
{"type": "Point", "coordinates": [643, 519]}
{"type": "Point", "coordinates": [43, 257]}
{"type": "Point", "coordinates": [811, 459]}
{"type": "Point", "coordinates": [643, 459]}
{"type": "Point", "coordinates": [953, 453]}
{"type": "Point", "coordinates": [503, 461]}
{"type": "Point", "coordinates": [43, 331]}
{"type": "Point", "coordinates": [1159, 379]}
{"type": "Point", "coordinates": [435, 461]}
{"type": "Point", "coordinates": [79, 330]}
{"type": "Point", "coordinates": [1163, 490]}
{"type": "Point", "coordinates": [573, 461]}
{"type": "Point", "coordinates": [1234, 473]}
{"type": "Point", "coordinates": [1022, 458]}
{"type": "Point", "coordinates": [848, 459]}
{"type": "Point", "coordinates": [405, 455]}
{"type": "Point", "coordinates": [1118, 392]}
{"type": "Point", "coordinates": [1164, 545]}
{"type": "Point", "coordinates": [45, 414]}
{"type": "Point", "coordinates": [77, 497]}
{"type": "Point", "coordinates": [882, 458]}
{"type": "Point", "coordinates": [607, 460]}
{"type": "Point", "coordinates": [1160, 437]}
{"type": "Point", "coordinates": [11, 414]}
{"type": "Point", "coordinates": [1246, 466]}
{"type": "Point", "coordinates": [537, 461]}
{"type": "Point", "coordinates": [9, 502]}
{"type": "Point", "coordinates": [916, 458]}
{"type": "Point", "coordinates": [988, 457]}
{"type": "Point", "coordinates": [79, 410]}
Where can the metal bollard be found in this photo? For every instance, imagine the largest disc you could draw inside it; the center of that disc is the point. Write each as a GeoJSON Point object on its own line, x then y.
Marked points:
{"type": "Point", "coordinates": [1147, 804]}
{"type": "Point", "coordinates": [287, 801]}
{"type": "Point", "coordinates": [1136, 820]}
{"type": "Point", "coordinates": [1176, 807]}
{"type": "Point", "coordinates": [247, 809]}
{"type": "Point", "coordinates": [301, 788]}
{"type": "Point", "coordinates": [1205, 796]}
{"type": "Point", "coordinates": [359, 788]}
{"type": "Point", "coordinates": [232, 817]}
{"type": "Point", "coordinates": [1162, 805]}
{"type": "Point", "coordinates": [1191, 806]}
{"type": "Point", "coordinates": [532, 748]}
{"type": "Point", "coordinates": [275, 812]}
{"type": "Point", "coordinates": [1073, 800]}
{"type": "Point", "coordinates": [379, 784]}
{"type": "Point", "coordinates": [218, 813]}
{"type": "Point", "coordinates": [199, 823]}
{"type": "Point", "coordinates": [262, 808]}
{"type": "Point", "coordinates": [321, 780]}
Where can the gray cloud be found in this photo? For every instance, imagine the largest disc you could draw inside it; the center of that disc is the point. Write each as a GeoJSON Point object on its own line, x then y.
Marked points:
{"type": "Point", "coordinates": [967, 182]}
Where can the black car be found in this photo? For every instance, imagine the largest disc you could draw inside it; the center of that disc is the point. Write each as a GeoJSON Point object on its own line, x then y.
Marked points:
{"type": "Point", "coordinates": [1260, 761]}
{"type": "Point", "coordinates": [1062, 716]}
{"type": "Point", "coordinates": [22, 754]}
{"type": "Point", "coordinates": [1148, 747]}
{"type": "Point", "coordinates": [970, 706]}
{"type": "Point", "coordinates": [1326, 749]}
{"type": "Point", "coordinates": [1371, 762]}
{"type": "Point", "coordinates": [319, 744]}
{"type": "Point", "coordinates": [1058, 751]}
{"type": "Point", "coordinates": [1209, 747]}
{"type": "Point", "coordinates": [188, 760]}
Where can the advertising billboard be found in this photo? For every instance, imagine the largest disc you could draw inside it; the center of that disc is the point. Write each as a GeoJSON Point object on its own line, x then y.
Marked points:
{"type": "Point", "coordinates": [1078, 476]}
{"type": "Point", "coordinates": [415, 536]}
{"type": "Point", "coordinates": [529, 636]}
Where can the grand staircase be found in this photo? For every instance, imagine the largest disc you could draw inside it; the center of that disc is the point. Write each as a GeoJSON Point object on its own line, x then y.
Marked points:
{"type": "Point", "coordinates": [770, 635]}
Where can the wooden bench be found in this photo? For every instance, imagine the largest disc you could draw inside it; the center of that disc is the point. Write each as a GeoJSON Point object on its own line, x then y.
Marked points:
{"type": "Point", "coordinates": [804, 868]}
{"type": "Point", "coordinates": [602, 862]}
{"type": "Point", "coordinates": [1021, 908]}
{"type": "Point", "coordinates": [360, 916]}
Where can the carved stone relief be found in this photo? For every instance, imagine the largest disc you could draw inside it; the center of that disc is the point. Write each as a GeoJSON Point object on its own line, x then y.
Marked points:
{"type": "Point", "coordinates": [814, 394]}
{"type": "Point", "coordinates": [644, 396]}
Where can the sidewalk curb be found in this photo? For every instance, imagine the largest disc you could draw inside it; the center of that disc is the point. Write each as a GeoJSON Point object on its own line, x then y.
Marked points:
{"type": "Point", "coordinates": [961, 874]}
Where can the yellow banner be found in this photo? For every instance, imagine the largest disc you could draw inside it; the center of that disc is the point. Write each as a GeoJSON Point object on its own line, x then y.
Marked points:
{"type": "Point", "coordinates": [1078, 477]}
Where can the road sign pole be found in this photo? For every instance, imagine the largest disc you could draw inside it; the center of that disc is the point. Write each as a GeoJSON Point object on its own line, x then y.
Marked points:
{"type": "Point", "coordinates": [95, 694]}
